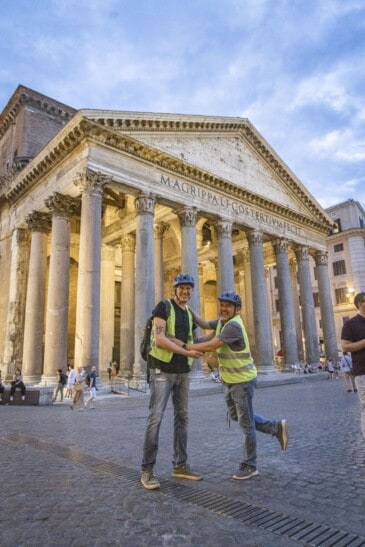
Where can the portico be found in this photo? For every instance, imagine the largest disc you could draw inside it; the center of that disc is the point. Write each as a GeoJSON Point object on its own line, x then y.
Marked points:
{"type": "Point", "coordinates": [129, 197]}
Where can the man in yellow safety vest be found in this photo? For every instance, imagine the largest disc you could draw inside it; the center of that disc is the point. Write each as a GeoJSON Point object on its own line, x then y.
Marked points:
{"type": "Point", "coordinates": [238, 374]}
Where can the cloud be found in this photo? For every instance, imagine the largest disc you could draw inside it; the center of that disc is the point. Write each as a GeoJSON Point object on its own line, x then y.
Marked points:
{"type": "Point", "coordinates": [295, 69]}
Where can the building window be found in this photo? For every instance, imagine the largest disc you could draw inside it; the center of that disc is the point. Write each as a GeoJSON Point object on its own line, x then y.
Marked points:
{"type": "Point", "coordinates": [338, 222]}
{"type": "Point", "coordinates": [316, 299]}
{"type": "Point", "coordinates": [315, 273]}
{"type": "Point", "coordinates": [276, 282]}
{"type": "Point", "coordinates": [341, 296]}
{"type": "Point", "coordinates": [337, 248]}
{"type": "Point", "coordinates": [339, 267]}
{"type": "Point", "coordinates": [277, 308]}
{"type": "Point", "coordinates": [361, 222]}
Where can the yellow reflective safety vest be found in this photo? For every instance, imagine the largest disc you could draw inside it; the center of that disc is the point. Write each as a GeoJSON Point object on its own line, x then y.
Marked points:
{"type": "Point", "coordinates": [165, 355]}
{"type": "Point", "coordinates": [235, 366]}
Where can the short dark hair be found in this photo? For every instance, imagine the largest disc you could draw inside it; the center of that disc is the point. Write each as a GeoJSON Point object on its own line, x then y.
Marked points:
{"type": "Point", "coordinates": [360, 296]}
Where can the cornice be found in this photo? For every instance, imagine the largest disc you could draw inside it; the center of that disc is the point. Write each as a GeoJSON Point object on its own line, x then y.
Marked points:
{"type": "Point", "coordinates": [25, 96]}
{"type": "Point", "coordinates": [80, 129]}
{"type": "Point", "coordinates": [346, 234]}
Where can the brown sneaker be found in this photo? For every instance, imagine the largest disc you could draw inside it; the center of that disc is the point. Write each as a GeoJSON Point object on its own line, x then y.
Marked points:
{"type": "Point", "coordinates": [184, 472]}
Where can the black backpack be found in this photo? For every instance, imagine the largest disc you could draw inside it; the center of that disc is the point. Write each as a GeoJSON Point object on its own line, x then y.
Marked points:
{"type": "Point", "coordinates": [63, 379]}
{"type": "Point", "coordinates": [145, 344]}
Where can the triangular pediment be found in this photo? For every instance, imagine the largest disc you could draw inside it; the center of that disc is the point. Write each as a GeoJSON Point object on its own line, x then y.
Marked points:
{"type": "Point", "coordinates": [229, 148]}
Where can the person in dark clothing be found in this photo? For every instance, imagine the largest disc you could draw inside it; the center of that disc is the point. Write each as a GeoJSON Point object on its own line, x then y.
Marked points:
{"type": "Point", "coordinates": [353, 340]}
{"type": "Point", "coordinates": [170, 364]}
{"type": "Point", "coordinates": [17, 383]}
{"type": "Point", "coordinates": [2, 388]}
{"type": "Point", "coordinates": [61, 382]}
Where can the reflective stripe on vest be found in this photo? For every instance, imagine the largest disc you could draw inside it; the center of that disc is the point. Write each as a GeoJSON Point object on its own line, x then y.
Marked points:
{"type": "Point", "coordinates": [235, 366]}
{"type": "Point", "coordinates": [165, 355]}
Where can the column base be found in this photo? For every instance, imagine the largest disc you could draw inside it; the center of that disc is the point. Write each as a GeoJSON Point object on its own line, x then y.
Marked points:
{"type": "Point", "coordinates": [267, 369]}
{"type": "Point", "coordinates": [48, 381]}
{"type": "Point", "coordinates": [32, 380]}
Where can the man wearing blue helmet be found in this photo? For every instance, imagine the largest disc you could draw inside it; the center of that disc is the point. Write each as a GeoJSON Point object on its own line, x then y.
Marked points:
{"type": "Point", "coordinates": [170, 363]}
{"type": "Point", "coordinates": [238, 374]}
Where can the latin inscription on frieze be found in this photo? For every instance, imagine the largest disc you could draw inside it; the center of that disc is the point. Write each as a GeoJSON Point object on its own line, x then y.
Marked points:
{"type": "Point", "coordinates": [231, 206]}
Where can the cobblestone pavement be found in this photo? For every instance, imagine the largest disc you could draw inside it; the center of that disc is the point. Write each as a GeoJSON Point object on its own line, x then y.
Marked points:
{"type": "Point", "coordinates": [71, 478]}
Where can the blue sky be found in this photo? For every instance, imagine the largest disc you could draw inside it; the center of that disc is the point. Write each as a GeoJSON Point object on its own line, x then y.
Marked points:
{"type": "Point", "coordinates": [295, 68]}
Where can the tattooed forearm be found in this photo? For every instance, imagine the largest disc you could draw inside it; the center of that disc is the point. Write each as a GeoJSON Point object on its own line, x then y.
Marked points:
{"type": "Point", "coordinates": [159, 329]}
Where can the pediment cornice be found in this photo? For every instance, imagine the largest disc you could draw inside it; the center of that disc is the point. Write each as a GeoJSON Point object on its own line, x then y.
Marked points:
{"type": "Point", "coordinates": [80, 130]}
{"type": "Point", "coordinates": [131, 122]}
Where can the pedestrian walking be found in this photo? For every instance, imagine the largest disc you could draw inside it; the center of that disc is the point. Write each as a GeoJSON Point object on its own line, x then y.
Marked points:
{"type": "Point", "coordinates": [353, 340]}
{"type": "Point", "coordinates": [109, 369]}
{"type": "Point", "coordinates": [346, 368]}
{"type": "Point", "coordinates": [70, 381]}
{"type": "Point", "coordinates": [238, 373]}
{"type": "Point", "coordinates": [91, 383]}
{"type": "Point", "coordinates": [61, 382]}
{"type": "Point", "coordinates": [330, 369]}
{"type": "Point", "coordinates": [170, 363]}
{"type": "Point", "coordinates": [78, 389]}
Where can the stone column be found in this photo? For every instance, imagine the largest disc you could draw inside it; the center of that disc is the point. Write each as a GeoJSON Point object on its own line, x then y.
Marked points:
{"type": "Point", "coordinates": [40, 224]}
{"type": "Point", "coordinates": [261, 310]}
{"type": "Point", "coordinates": [127, 314]}
{"type": "Point", "coordinates": [269, 300]}
{"type": "Point", "coordinates": [107, 304]}
{"type": "Point", "coordinates": [308, 311]}
{"type": "Point", "coordinates": [91, 185]}
{"type": "Point", "coordinates": [243, 257]}
{"type": "Point", "coordinates": [145, 283]}
{"type": "Point", "coordinates": [201, 286]}
{"type": "Point", "coordinates": [55, 345]}
{"type": "Point", "coordinates": [160, 229]}
{"type": "Point", "coordinates": [189, 253]}
{"type": "Point", "coordinates": [326, 306]}
{"type": "Point", "coordinates": [225, 256]}
{"type": "Point", "coordinates": [189, 262]}
{"type": "Point", "coordinates": [286, 308]}
{"type": "Point", "coordinates": [13, 348]}
{"type": "Point", "coordinates": [296, 304]}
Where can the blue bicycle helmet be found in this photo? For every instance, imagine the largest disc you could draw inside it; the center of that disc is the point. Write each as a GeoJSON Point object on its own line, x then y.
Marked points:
{"type": "Point", "coordinates": [231, 296]}
{"type": "Point", "coordinates": [184, 279]}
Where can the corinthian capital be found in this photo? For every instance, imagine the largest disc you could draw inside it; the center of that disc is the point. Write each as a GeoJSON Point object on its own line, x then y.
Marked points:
{"type": "Point", "coordinates": [301, 253]}
{"type": "Point", "coordinates": [91, 182]}
{"type": "Point", "coordinates": [61, 205]}
{"type": "Point", "coordinates": [321, 258]}
{"type": "Point", "coordinates": [187, 216]}
{"type": "Point", "coordinates": [39, 222]}
{"type": "Point", "coordinates": [223, 228]}
{"type": "Point", "coordinates": [280, 246]}
{"type": "Point", "coordinates": [255, 238]}
{"type": "Point", "coordinates": [145, 204]}
{"type": "Point", "coordinates": [160, 229]}
{"type": "Point", "coordinates": [128, 242]}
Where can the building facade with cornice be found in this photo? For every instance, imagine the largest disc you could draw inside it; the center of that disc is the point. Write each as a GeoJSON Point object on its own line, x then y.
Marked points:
{"type": "Point", "coordinates": [99, 210]}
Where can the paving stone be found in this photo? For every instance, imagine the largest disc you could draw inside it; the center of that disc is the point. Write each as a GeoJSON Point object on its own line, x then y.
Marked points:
{"type": "Point", "coordinates": [56, 497]}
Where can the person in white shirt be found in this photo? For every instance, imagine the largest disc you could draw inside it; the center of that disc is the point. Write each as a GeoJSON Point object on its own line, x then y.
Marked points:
{"type": "Point", "coordinates": [346, 367]}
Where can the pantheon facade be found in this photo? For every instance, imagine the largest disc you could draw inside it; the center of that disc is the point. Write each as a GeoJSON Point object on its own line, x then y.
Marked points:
{"type": "Point", "coordinates": [100, 209]}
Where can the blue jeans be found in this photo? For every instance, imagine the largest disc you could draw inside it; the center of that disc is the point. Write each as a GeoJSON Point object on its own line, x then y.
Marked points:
{"type": "Point", "coordinates": [239, 402]}
{"type": "Point", "coordinates": [162, 385]}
